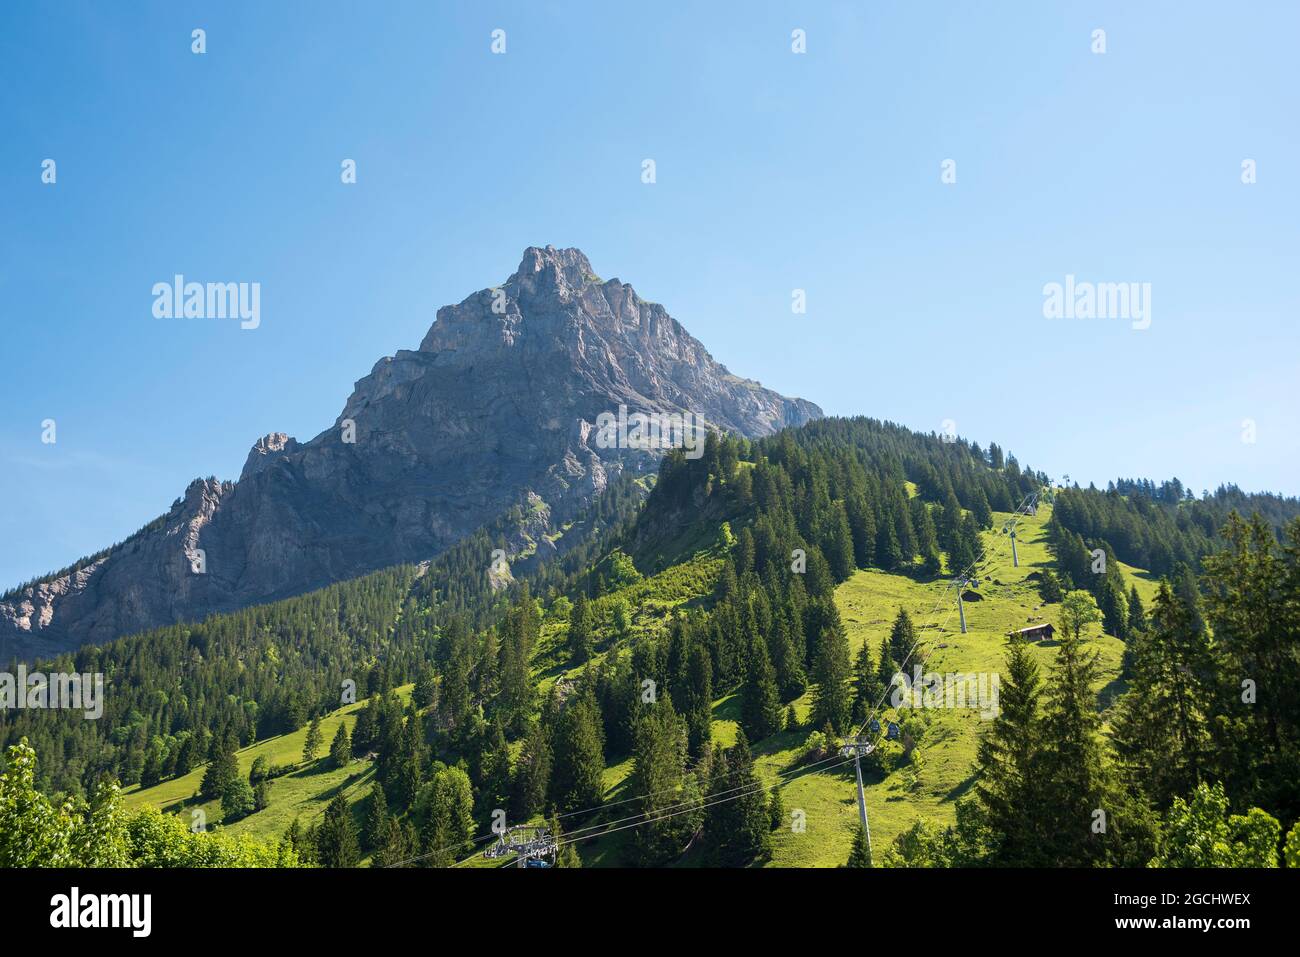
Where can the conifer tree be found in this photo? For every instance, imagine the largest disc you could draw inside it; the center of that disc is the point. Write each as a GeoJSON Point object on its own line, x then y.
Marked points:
{"type": "Point", "coordinates": [889, 555]}
{"type": "Point", "coordinates": [1161, 728]}
{"type": "Point", "coordinates": [966, 548]}
{"type": "Point", "coordinates": [838, 544]}
{"type": "Point", "coordinates": [862, 526]}
{"type": "Point", "coordinates": [532, 774]}
{"type": "Point", "coordinates": [867, 689]}
{"type": "Point", "coordinates": [1008, 787]}
{"type": "Point", "coordinates": [577, 781]}
{"type": "Point", "coordinates": [949, 524]}
{"type": "Point", "coordinates": [1114, 608]}
{"type": "Point", "coordinates": [580, 630]}
{"type": "Point", "coordinates": [1137, 615]}
{"type": "Point", "coordinates": [341, 747]}
{"type": "Point", "coordinates": [737, 830]}
{"type": "Point", "coordinates": [760, 706]}
{"type": "Point", "coordinates": [221, 772]}
{"type": "Point", "coordinates": [887, 667]}
{"type": "Point", "coordinates": [860, 854]}
{"type": "Point", "coordinates": [831, 674]}
{"type": "Point", "coordinates": [787, 659]}
{"type": "Point", "coordinates": [519, 633]}
{"type": "Point", "coordinates": [375, 827]}
{"type": "Point", "coordinates": [336, 839]}
{"type": "Point", "coordinates": [776, 809]}
{"type": "Point", "coordinates": [1049, 587]}
{"type": "Point", "coordinates": [698, 698]}
{"type": "Point", "coordinates": [902, 638]}
{"type": "Point", "coordinates": [396, 845]}
{"type": "Point", "coordinates": [296, 839]}
{"type": "Point", "coordinates": [311, 746]}
{"type": "Point", "coordinates": [1251, 603]}
{"type": "Point", "coordinates": [426, 687]}
{"type": "Point", "coordinates": [1073, 775]}
{"type": "Point", "coordinates": [495, 785]}
{"type": "Point", "coordinates": [659, 775]}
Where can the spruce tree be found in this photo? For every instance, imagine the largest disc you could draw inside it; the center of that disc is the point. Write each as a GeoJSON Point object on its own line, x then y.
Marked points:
{"type": "Point", "coordinates": [577, 782]}
{"type": "Point", "coordinates": [1007, 786]}
{"type": "Point", "coordinates": [532, 774]}
{"type": "Point", "coordinates": [311, 746]}
{"type": "Point", "coordinates": [220, 774]}
{"type": "Point", "coordinates": [395, 846]}
{"type": "Point", "coordinates": [494, 789]}
{"type": "Point", "coordinates": [902, 638]}
{"type": "Point", "coordinates": [1114, 608]}
{"type": "Point", "coordinates": [831, 673]}
{"type": "Point", "coordinates": [776, 809]}
{"type": "Point", "coordinates": [375, 827]}
{"type": "Point", "coordinates": [698, 698]}
{"type": "Point", "coordinates": [1161, 728]}
{"type": "Point", "coordinates": [755, 834]}
{"type": "Point", "coordinates": [889, 555]}
{"type": "Point", "coordinates": [887, 667]}
{"type": "Point", "coordinates": [580, 630]}
{"type": "Point", "coordinates": [860, 854]}
{"type": "Point", "coordinates": [838, 543]}
{"type": "Point", "coordinates": [1137, 615]}
{"type": "Point", "coordinates": [949, 524]}
{"type": "Point", "coordinates": [1073, 775]}
{"type": "Point", "coordinates": [341, 747]}
{"type": "Point", "coordinates": [336, 840]}
{"type": "Point", "coordinates": [426, 687]}
{"type": "Point", "coordinates": [760, 706]}
{"type": "Point", "coordinates": [659, 776]}
{"type": "Point", "coordinates": [519, 634]}
{"type": "Point", "coordinates": [737, 830]}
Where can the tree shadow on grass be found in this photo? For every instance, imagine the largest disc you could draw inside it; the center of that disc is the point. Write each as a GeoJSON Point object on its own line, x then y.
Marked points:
{"type": "Point", "coordinates": [961, 789]}
{"type": "Point", "coordinates": [1113, 689]}
{"type": "Point", "coordinates": [351, 780]}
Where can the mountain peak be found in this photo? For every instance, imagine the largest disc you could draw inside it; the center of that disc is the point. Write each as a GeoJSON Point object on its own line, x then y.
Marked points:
{"type": "Point", "coordinates": [265, 450]}
{"type": "Point", "coordinates": [570, 263]}
{"type": "Point", "coordinates": [497, 407]}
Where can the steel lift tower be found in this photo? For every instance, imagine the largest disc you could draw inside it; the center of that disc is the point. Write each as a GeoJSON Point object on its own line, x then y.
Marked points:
{"type": "Point", "coordinates": [859, 746]}
{"type": "Point", "coordinates": [534, 845]}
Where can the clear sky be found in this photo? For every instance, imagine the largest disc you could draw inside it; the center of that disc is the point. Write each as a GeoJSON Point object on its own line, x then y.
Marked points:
{"type": "Point", "coordinates": [775, 171]}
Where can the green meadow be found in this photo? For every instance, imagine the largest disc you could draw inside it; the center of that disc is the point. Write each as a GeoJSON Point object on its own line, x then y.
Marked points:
{"type": "Point", "coordinates": [820, 803]}
{"type": "Point", "coordinates": [302, 793]}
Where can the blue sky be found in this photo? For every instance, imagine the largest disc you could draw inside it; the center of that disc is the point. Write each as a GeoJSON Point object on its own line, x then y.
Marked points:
{"type": "Point", "coordinates": [775, 171]}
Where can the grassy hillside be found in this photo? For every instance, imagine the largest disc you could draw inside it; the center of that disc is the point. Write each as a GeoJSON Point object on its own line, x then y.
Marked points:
{"type": "Point", "coordinates": [825, 799]}
{"type": "Point", "coordinates": [868, 603]}
{"type": "Point", "coordinates": [303, 792]}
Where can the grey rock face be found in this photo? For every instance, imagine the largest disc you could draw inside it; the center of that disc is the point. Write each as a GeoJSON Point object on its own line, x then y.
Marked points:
{"type": "Point", "coordinates": [497, 407]}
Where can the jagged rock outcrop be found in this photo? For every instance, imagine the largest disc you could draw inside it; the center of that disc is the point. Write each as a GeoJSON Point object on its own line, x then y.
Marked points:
{"type": "Point", "coordinates": [499, 406]}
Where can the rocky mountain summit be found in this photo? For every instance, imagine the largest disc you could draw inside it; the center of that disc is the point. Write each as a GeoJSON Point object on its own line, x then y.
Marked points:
{"type": "Point", "coordinates": [499, 406]}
